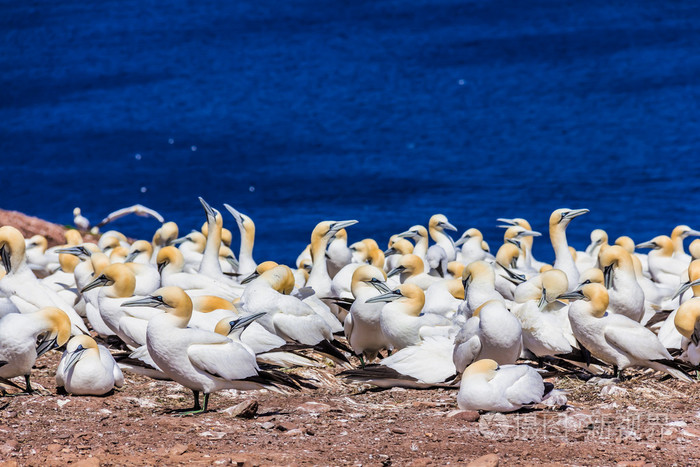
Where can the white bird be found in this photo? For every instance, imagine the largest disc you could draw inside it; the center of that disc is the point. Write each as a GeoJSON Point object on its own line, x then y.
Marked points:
{"type": "Point", "coordinates": [589, 258]}
{"type": "Point", "coordinates": [26, 336]}
{"type": "Point", "coordinates": [22, 287]}
{"type": "Point", "coordinates": [87, 369]}
{"type": "Point", "coordinates": [436, 226]}
{"type": "Point", "coordinates": [444, 297]}
{"type": "Point", "coordinates": [680, 233]}
{"type": "Point", "coordinates": [472, 250]}
{"type": "Point", "coordinates": [526, 261]}
{"type": "Point", "coordinates": [687, 322]}
{"type": "Point", "coordinates": [558, 221]}
{"type": "Point", "coordinates": [38, 257]}
{"type": "Point", "coordinates": [362, 324]}
{"type": "Point", "coordinates": [397, 247]}
{"type": "Point", "coordinates": [80, 221]}
{"type": "Point", "coordinates": [137, 209]}
{"type": "Point", "coordinates": [492, 332]}
{"type": "Point", "coordinates": [669, 334]}
{"type": "Point", "coordinates": [544, 320]}
{"type": "Point", "coordinates": [615, 339]}
{"type": "Point", "coordinates": [202, 361]}
{"type": "Point", "coordinates": [118, 284]}
{"type": "Point", "coordinates": [339, 254]}
{"type": "Point", "coordinates": [663, 267]}
{"type": "Point", "coordinates": [246, 227]}
{"type": "Point", "coordinates": [626, 295]}
{"type": "Point", "coordinates": [411, 270]}
{"type": "Point", "coordinates": [479, 282]}
{"type": "Point", "coordinates": [401, 320]}
{"type": "Point", "coordinates": [419, 235]}
{"type": "Point", "coordinates": [489, 387]}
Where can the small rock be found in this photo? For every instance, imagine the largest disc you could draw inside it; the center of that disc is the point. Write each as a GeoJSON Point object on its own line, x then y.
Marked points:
{"type": "Point", "coordinates": [313, 407]}
{"type": "Point", "coordinates": [421, 462]}
{"type": "Point", "coordinates": [631, 464]}
{"type": "Point", "coordinates": [54, 447]}
{"type": "Point", "coordinates": [89, 462]}
{"type": "Point", "coordinates": [246, 409]}
{"type": "Point", "coordinates": [466, 415]}
{"type": "Point", "coordinates": [310, 431]}
{"type": "Point", "coordinates": [283, 426]}
{"type": "Point", "coordinates": [62, 402]}
{"type": "Point", "coordinates": [9, 447]}
{"type": "Point", "coordinates": [294, 432]}
{"type": "Point", "coordinates": [268, 425]}
{"type": "Point", "coordinates": [489, 460]}
{"type": "Point", "coordinates": [398, 431]}
{"type": "Point", "coordinates": [178, 449]}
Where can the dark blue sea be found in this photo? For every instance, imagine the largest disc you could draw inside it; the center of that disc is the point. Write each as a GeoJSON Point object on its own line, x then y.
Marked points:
{"type": "Point", "coordinates": [381, 111]}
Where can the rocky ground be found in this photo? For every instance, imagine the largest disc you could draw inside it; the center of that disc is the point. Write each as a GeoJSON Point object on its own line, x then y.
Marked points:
{"type": "Point", "coordinates": [640, 421]}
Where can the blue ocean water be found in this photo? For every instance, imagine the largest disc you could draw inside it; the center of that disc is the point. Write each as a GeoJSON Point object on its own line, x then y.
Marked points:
{"type": "Point", "coordinates": [381, 111]}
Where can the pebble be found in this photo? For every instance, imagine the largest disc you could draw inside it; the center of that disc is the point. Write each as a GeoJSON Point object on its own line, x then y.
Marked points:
{"type": "Point", "coordinates": [489, 460]}
{"type": "Point", "coordinates": [246, 409]}
{"type": "Point", "coordinates": [89, 462]}
{"type": "Point", "coordinates": [313, 407]}
{"type": "Point", "coordinates": [398, 431]}
{"type": "Point", "coordinates": [268, 425]}
{"type": "Point", "coordinates": [466, 415]}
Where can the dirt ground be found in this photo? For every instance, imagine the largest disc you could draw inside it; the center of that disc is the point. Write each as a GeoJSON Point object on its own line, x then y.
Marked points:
{"type": "Point", "coordinates": [641, 421]}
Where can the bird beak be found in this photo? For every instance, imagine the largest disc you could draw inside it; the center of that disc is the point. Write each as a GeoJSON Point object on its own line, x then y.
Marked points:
{"type": "Point", "coordinates": [74, 357]}
{"type": "Point", "coordinates": [462, 240]}
{"type": "Point", "coordinates": [161, 266]}
{"type": "Point", "coordinates": [513, 277]}
{"type": "Point", "coordinates": [575, 295]}
{"type": "Point", "coordinates": [693, 233]}
{"type": "Point", "coordinates": [407, 234]}
{"type": "Point", "coordinates": [336, 226]}
{"type": "Point", "coordinates": [529, 233]}
{"type": "Point", "coordinates": [100, 281]}
{"type": "Point", "coordinates": [385, 297]}
{"type": "Point", "coordinates": [650, 244]}
{"type": "Point", "coordinates": [395, 271]}
{"type": "Point", "coordinates": [448, 226]}
{"type": "Point", "coordinates": [575, 213]}
{"type": "Point", "coordinates": [250, 278]}
{"type": "Point", "coordinates": [177, 241]}
{"type": "Point", "coordinates": [236, 215]}
{"type": "Point", "coordinates": [208, 209]}
{"type": "Point", "coordinates": [130, 257]}
{"type": "Point", "coordinates": [607, 276]}
{"type": "Point", "coordinates": [543, 299]}
{"type": "Point", "coordinates": [510, 222]}
{"type": "Point", "coordinates": [5, 255]}
{"type": "Point", "coordinates": [45, 346]}
{"type": "Point", "coordinates": [232, 261]}
{"type": "Point", "coordinates": [379, 285]}
{"type": "Point", "coordinates": [685, 286]}
{"type": "Point", "coordinates": [245, 321]}
{"type": "Point", "coordinates": [150, 301]}
{"type": "Point", "coordinates": [75, 251]}
{"type": "Point", "coordinates": [514, 241]}
{"type": "Point", "coordinates": [390, 251]}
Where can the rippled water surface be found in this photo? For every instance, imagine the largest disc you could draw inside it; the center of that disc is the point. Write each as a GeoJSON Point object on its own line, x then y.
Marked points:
{"type": "Point", "coordinates": [381, 111]}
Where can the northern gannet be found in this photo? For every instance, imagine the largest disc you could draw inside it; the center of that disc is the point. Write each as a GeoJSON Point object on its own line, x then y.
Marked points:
{"type": "Point", "coordinates": [22, 287]}
{"type": "Point", "coordinates": [589, 258]}
{"type": "Point", "coordinates": [401, 320]}
{"type": "Point", "coordinates": [625, 293]}
{"type": "Point", "coordinates": [319, 279]}
{"type": "Point", "coordinates": [444, 297]}
{"type": "Point", "coordinates": [137, 209]}
{"type": "Point", "coordinates": [668, 333]}
{"type": "Point", "coordinates": [397, 247]}
{"type": "Point", "coordinates": [38, 258]}
{"type": "Point", "coordinates": [88, 369]}
{"type": "Point", "coordinates": [479, 282]}
{"type": "Point", "coordinates": [80, 221]}
{"type": "Point", "coordinates": [362, 324]}
{"type": "Point", "coordinates": [489, 387]}
{"type": "Point", "coordinates": [680, 233]}
{"type": "Point", "coordinates": [558, 222]}
{"type": "Point", "coordinates": [246, 227]}
{"type": "Point", "coordinates": [544, 320]}
{"type": "Point", "coordinates": [687, 322]}
{"type": "Point", "coordinates": [419, 235]}
{"type": "Point", "coordinates": [663, 267]}
{"type": "Point", "coordinates": [202, 361]}
{"type": "Point", "coordinates": [436, 227]}
{"type": "Point", "coordinates": [411, 270]}
{"type": "Point", "coordinates": [471, 250]}
{"type": "Point", "coordinates": [26, 336]}
{"type": "Point", "coordinates": [615, 339]}
{"type": "Point", "coordinates": [492, 332]}
{"type": "Point", "coordinates": [526, 261]}
{"type": "Point", "coordinates": [339, 254]}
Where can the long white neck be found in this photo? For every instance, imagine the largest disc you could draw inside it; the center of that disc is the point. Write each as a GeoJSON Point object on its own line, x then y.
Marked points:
{"type": "Point", "coordinates": [563, 259]}
{"type": "Point", "coordinates": [210, 266]}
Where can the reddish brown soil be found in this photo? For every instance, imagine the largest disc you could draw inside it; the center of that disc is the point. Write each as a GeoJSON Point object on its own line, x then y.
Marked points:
{"type": "Point", "coordinates": [640, 421]}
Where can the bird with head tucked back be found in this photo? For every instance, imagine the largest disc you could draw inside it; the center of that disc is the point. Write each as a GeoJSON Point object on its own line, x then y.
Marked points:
{"type": "Point", "coordinates": [626, 295]}
{"type": "Point", "coordinates": [687, 322]}
{"type": "Point", "coordinates": [436, 227]}
{"type": "Point", "coordinates": [663, 267]}
{"type": "Point", "coordinates": [26, 336]}
{"type": "Point", "coordinates": [87, 368]}
{"type": "Point", "coordinates": [411, 270]}
{"type": "Point", "coordinates": [489, 387]}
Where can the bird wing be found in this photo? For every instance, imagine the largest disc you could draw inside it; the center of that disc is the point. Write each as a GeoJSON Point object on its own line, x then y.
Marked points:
{"type": "Point", "coordinates": [635, 340]}
{"type": "Point", "coordinates": [228, 360]}
{"type": "Point", "coordinates": [135, 209]}
{"type": "Point", "coordinates": [308, 329]}
{"type": "Point", "coordinates": [429, 362]}
{"type": "Point", "coordinates": [524, 385]}
{"type": "Point", "coordinates": [467, 345]}
{"type": "Point", "coordinates": [108, 362]}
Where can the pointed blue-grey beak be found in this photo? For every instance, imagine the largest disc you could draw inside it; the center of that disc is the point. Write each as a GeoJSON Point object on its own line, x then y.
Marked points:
{"type": "Point", "coordinates": [385, 297]}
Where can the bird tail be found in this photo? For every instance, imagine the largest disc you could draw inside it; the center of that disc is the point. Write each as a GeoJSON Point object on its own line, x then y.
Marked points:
{"type": "Point", "coordinates": [672, 368]}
